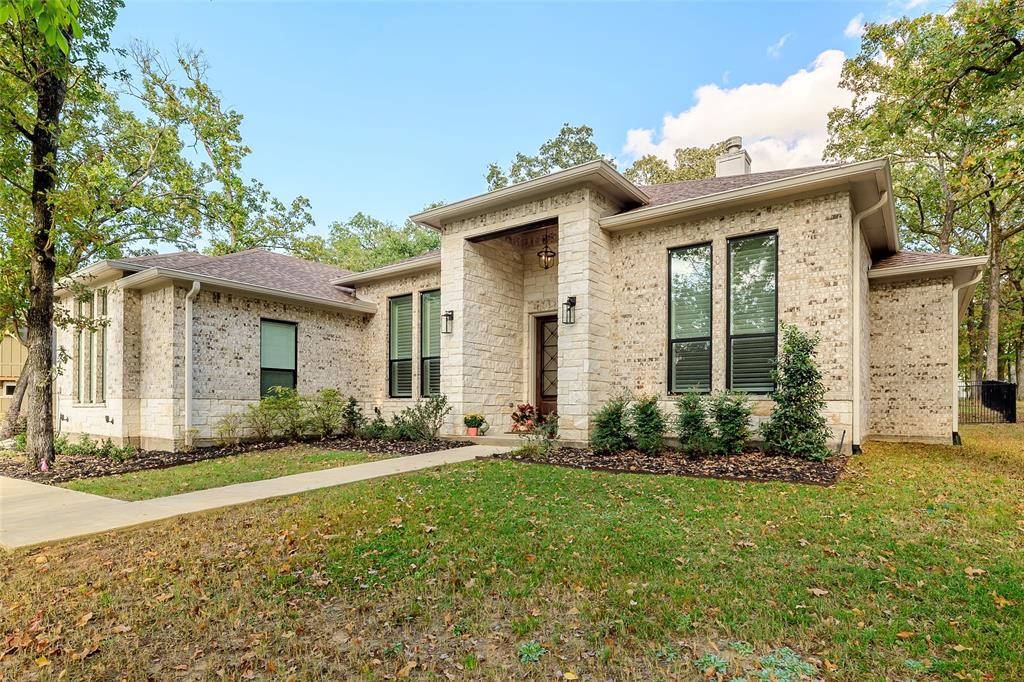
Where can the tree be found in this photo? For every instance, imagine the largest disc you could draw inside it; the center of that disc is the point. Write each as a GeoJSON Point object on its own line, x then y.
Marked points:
{"type": "Point", "coordinates": [690, 163]}
{"type": "Point", "coordinates": [571, 147]}
{"type": "Point", "coordinates": [363, 242]}
{"type": "Point", "coordinates": [940, 95]}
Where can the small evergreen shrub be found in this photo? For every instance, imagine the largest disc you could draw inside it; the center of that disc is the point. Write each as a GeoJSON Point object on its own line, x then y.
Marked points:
{"type": "Point", "coordinates": [426, 418]}
{"type": "Point", "coordinates": [376, 428]}
{"type": "Point", "coordinates": [352, 417]}
{"type": "Point", "coordinates": [261, 420]}
{"type": "Point", "coordinates": [648, 425]}
{"type": "Point", "coordinates": [400, 427]}
{"type": "Point", "coordinates": [89, 448]}
{"type": "Point", "coordinates": [696, 437]}
{"type": "Point", "coordinates": [611, 427]}
{"type": "Point", "coordinates": [288, 410]}
{"type": "Point", "coordinates": [20, 442]}
{"type": "Point", "coordinates": [543, 437]}
{"type": "Point", "coordinates": [228, 428]}
{"type": "Point", "coordinates": [797, 425]}
{"type": "Point", "coordinates": [325, 411]}
{"type": "Point", "coordinates": [731, 414]}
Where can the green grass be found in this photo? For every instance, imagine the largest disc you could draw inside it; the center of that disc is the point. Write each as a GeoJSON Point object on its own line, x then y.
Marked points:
{"type": "Point", "coordinates": [908, 569]}
{"type": "Point", "coordinates": [213, 473]}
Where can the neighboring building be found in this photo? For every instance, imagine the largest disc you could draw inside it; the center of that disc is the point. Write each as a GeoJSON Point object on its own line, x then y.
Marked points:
{"type": "Point", "coordinates": [654, 290]}
{"type": "Point", "coordinates": [13, 354]}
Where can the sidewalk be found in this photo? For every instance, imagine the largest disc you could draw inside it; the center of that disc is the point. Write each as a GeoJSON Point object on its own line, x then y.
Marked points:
{"type": "Point", "coordinates": [33, 513]}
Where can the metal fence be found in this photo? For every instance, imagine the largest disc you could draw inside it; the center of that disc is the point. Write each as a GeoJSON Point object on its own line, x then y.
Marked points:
{"type": "Point", "coordinates": [988, 402]}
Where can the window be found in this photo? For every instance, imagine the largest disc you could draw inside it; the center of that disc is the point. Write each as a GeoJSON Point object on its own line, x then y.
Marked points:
{"type": "Point", "coordinates": [9, 389]}
{"type": "Point", "coordinates": [690, 319]}
{"type": "Point", "coordinates": [753, 303]}
{"type": "Point", "coordinates": [430, 343]}
{"type": "Point", "coordinates": [90, 357]}
{"type": "Point", "coordinates": [400, 346]}
{"type": "Point", "coordinates": [278, 354]}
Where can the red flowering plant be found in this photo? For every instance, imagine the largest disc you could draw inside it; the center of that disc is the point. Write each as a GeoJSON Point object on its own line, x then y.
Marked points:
{"type": "Point", "coordinates": [525, 418]}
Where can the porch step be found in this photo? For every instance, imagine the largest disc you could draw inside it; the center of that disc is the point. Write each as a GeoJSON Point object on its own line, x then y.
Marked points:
{"type": "Point", "coordinates": [508, 439]}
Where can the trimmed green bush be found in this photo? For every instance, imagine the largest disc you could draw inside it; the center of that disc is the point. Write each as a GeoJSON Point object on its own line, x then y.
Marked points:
{"type": "Point", "coordinates": [648, 425]}
{"type": "Point", "coordinates": [611, 427]}
{"type": "Point", "coordinates": [797, 425]}
{"type": "Point", "coordinates": [376, 428]}
{"type": "Point", "coordinates": [352, 418]}
{"type": "Point", "coordinates": [325, 411]}
{"type": "Point", "coordinates": [288, 411]}
{"type": "Point", "coordinates": [696, 438]}
{"type": "Point", "coordinates": [425, 419]}
{"type": "Point", "coordinates": [731, 413]}
{"type": "Point", "coordinates": [261, 420]}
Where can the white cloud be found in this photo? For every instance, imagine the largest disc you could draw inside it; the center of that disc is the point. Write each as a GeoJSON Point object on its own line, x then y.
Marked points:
{"type": "Point", "coordinates": [855, 29]}
{"type": "Point", "coordinates": [783, 125]}
{"type": "Point", "coordinates": [775, 49]}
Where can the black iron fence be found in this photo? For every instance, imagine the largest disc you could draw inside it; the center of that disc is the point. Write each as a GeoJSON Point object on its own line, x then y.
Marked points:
{"type": "Point", "coordinates": [988, 402]}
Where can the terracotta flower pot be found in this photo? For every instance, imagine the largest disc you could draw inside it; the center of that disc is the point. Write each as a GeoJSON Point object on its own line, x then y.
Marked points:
{"type": "Point", "coordinates": [472, 430]}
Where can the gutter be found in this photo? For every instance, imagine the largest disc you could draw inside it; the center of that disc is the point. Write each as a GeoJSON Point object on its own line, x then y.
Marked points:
{"type": "Point", "coordinates": [958, 310]}
{"type": "Point", "coordinates": [153, 275]}
{"type": "Point", "coordinates": [189, 297]}
{"type": "Point", "coordinates": [856, 264]}
{"type": "Point", "coordinates": [939, 266]}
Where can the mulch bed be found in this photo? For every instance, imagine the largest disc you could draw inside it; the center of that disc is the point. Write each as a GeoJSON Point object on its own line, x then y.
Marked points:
{"type": "Point", "coordinates": [74, 467]}
{"type": "Point", "coordinates": [749, 466]}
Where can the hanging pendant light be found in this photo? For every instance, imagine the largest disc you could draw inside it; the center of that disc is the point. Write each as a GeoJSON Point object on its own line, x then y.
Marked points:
{"type": "Point", "coordinates": [546, 255]}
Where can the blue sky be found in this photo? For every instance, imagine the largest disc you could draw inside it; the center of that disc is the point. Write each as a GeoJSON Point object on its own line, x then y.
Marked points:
{"type": "Point", "coordinates": [385, 107]}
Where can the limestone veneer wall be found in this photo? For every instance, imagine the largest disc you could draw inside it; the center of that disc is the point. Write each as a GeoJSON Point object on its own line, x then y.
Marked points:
{"type": "Point", "coordinates": [913, 368]}
{"type": "Point", "coordinates": [815, 292]}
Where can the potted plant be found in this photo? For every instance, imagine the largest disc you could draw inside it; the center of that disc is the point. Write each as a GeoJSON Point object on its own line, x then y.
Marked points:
{"type": "Point", "coordinates": [473, 422]}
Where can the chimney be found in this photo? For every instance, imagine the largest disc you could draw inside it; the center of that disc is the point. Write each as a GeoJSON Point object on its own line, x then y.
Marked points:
{"type": "Point", "coordinates": [735, 160]}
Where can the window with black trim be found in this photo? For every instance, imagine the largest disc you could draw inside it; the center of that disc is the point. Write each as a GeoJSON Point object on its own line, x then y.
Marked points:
{"type": "Point", "coordinates": [430, 342]}
{"type": "Point", "coordinates": [400, 346]}
{"type": "Point", "coordinates": [689, 306]}
{"type": "Point", "coordinates": [278, 355]}
{"type": "Point", "coordinates": [753, 312]}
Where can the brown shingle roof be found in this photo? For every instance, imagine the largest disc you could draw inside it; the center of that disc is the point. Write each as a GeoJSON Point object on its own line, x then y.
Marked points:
{"type": "Point", "coordinates": [165, 260]}
{"type": "Point", "coordinates": [691, 189]}
{"type": "Point", "coordinates": [905, 258]}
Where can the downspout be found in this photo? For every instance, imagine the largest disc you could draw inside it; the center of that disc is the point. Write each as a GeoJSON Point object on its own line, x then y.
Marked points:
{"type": "Point", "coordinates": [956, 352]}
{"type": "Point", "coordinates": [189, 297]}
{"type": "Point", "coordinates": [855, 437]}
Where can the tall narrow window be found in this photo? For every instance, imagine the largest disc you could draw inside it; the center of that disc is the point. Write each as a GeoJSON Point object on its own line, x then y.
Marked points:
{"type": "Point", "coordinates": [400, 346]}
{"type": "Point", "coordinates": [79, 353]}
{"type": "Point", "coordinates": [430, 343]}
{"type": "Point", "coordinates": [690, 319]}
{"type": "Point", "coordinates": [277, 355]}
{"type": "Point", "coordinates": [753, 302]}
{"type": "Point", "coordinates": [101, 347]}
{"type": "Point", "coordinates": [89, 339]}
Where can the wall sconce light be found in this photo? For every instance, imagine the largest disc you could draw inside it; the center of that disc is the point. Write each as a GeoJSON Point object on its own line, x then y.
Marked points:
{"type": "Point", "coordinates": [446, 321]}
{"type": "Point", "coordinates": [569, 311]}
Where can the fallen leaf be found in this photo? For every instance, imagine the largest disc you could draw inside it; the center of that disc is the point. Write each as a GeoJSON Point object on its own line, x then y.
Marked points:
{"type": "Point", "coordinates": [972, 572]}
{"type": "Point", "coordinates": [570, 675]}
{"type": "Point", "coordinates": [42, 661]}
{"type": "Point", "coordinates": [164, 597]}
{"type": "Point", "coordinates": [904, 634]}
{"type": "Point", "coordinates": [406, 669]}
{"type": "Point", "coordinates": [1002, 602]}
{"type": "Point", "coordinates": [84, 618]}
{"type": "Point", "coordinates": [960, 648]}
{"type": "Point", "coordinates": [817, 591]}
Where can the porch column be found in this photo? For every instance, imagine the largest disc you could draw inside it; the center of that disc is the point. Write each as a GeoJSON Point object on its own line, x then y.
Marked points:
{"type": "Point", "coordinates": [584, 348]}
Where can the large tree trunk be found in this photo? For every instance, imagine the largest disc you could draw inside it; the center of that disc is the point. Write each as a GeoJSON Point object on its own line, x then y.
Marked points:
{"type": "Point", "coordinates": [14, 411]}
{"type": "Point", "coordinates": [50, 91]}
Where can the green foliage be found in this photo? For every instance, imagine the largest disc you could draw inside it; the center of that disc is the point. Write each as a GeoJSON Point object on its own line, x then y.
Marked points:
{"type": "Point", "coordinates": [261, 420]}
{"type": "Point", "coordinates": [352, 418]}
{"type": "Point", "coordinates": [473, 420]}
{"type": "Point", "coordinates": [530, 652]}
{"type": "Point", "coordinates": [711, 664]}
{"type": "Point", "coordinates": [543, 437]}
{"type": "Point", "coordinates": [696, 437]}
{"type": "Point", "coordinates": [56, 20]}
{"type": "Point", "coordinates": [363, 242]}
{"type": "Point", "coordinates": [425, 419]}
{"type": "Point", "coordinates": [326, 411]}
{"type": "Point", "coordinates": [797, 425]}
{"type": "Point", "coordinates": [731, 413]}
{"type": "Point", "coordinates": [376, 428]}
{"type": "Point", "coordinates": [691, 163]}
{"type": "Point", "coordinates": [611, 427]}
{"type": "Point", "coordinates": [229, 428]}
{"type": "Point", "coordinates": [785, 665]}
{"type": "Point", "coordinates": [571, 147]}
{"type": "Point", "coordinates": [648, 422]}
{"type": "Point", "coordinates": [86, 447]}
{"type": "Point", "coordinates": [19, 441]}
{"type": "Point", "coordinates": [288, 411]}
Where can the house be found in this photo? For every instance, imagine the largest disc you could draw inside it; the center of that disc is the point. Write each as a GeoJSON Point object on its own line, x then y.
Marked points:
{"type": "Point", "coordinates": [13, 354]}
{"type": "Point", "coordinates": [560, 291]}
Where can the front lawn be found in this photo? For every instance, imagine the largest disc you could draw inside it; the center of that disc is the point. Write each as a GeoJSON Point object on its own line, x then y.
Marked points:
{"type": "Point", "coordinates": [909, 568]}
{"type": "Point", "coordinates": [213, 473]}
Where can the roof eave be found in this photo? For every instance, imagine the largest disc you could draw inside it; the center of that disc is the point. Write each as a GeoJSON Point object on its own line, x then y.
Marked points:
{"type": "Point", "coordinates": [598, 171]}
{"type": "Point", "coordinates": [154, 276]}
{"type": "Point", "coordinates": [97, 272]}
{"type": "Point", "coordinates": [932, 269]}
{"type": "Point", "coordinates": [389, 271]}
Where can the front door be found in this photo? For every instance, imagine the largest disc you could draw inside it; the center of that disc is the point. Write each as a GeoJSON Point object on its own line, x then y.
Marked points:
{"type": "Point", "coordinates": [547, 364]}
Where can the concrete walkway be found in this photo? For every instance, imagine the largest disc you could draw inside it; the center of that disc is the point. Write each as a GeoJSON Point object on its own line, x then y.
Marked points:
{"type": "Point", "coordinates": [33, 513]}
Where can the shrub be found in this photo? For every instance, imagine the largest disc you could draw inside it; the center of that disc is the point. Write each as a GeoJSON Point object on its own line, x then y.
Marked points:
{"type": "Point", "coordinates": [474, 420]}
{"type": "Point", "coordinates": [731, 414]}
{"type": "Point", "coordinates": [797, 425]}
{"type": "Point", "coordinates": [352, 418]}
{"type": "Point", "coordinates": [648, 425]}
{"type": "Point", "coordinates": [325, 411]}
{"type": "Point", "coordinates": [696, 438]}
{"type": "Point", "coordinates": [86, 447]}
{"type": "Point", "coordinates": [228, 428]}
{"type": "Point", "coordinates": [375, 429]}
{"type": "Point", "coordinates": [524, 418]}
{"type": "Point", "coordinates": [20, 441]}
{"type": "Point", "coordinates": [400, 427]}
{"type": "Point", "coordinates": [611, 427]}
{"type": "Point", "coordinates": [426, 418]}
{"type": "Point", "coordinates": [289, 411]}
{"type": "Point", "coordinates": [543, 438]}
{"type": "Point", "coordinates": [261, 419]}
